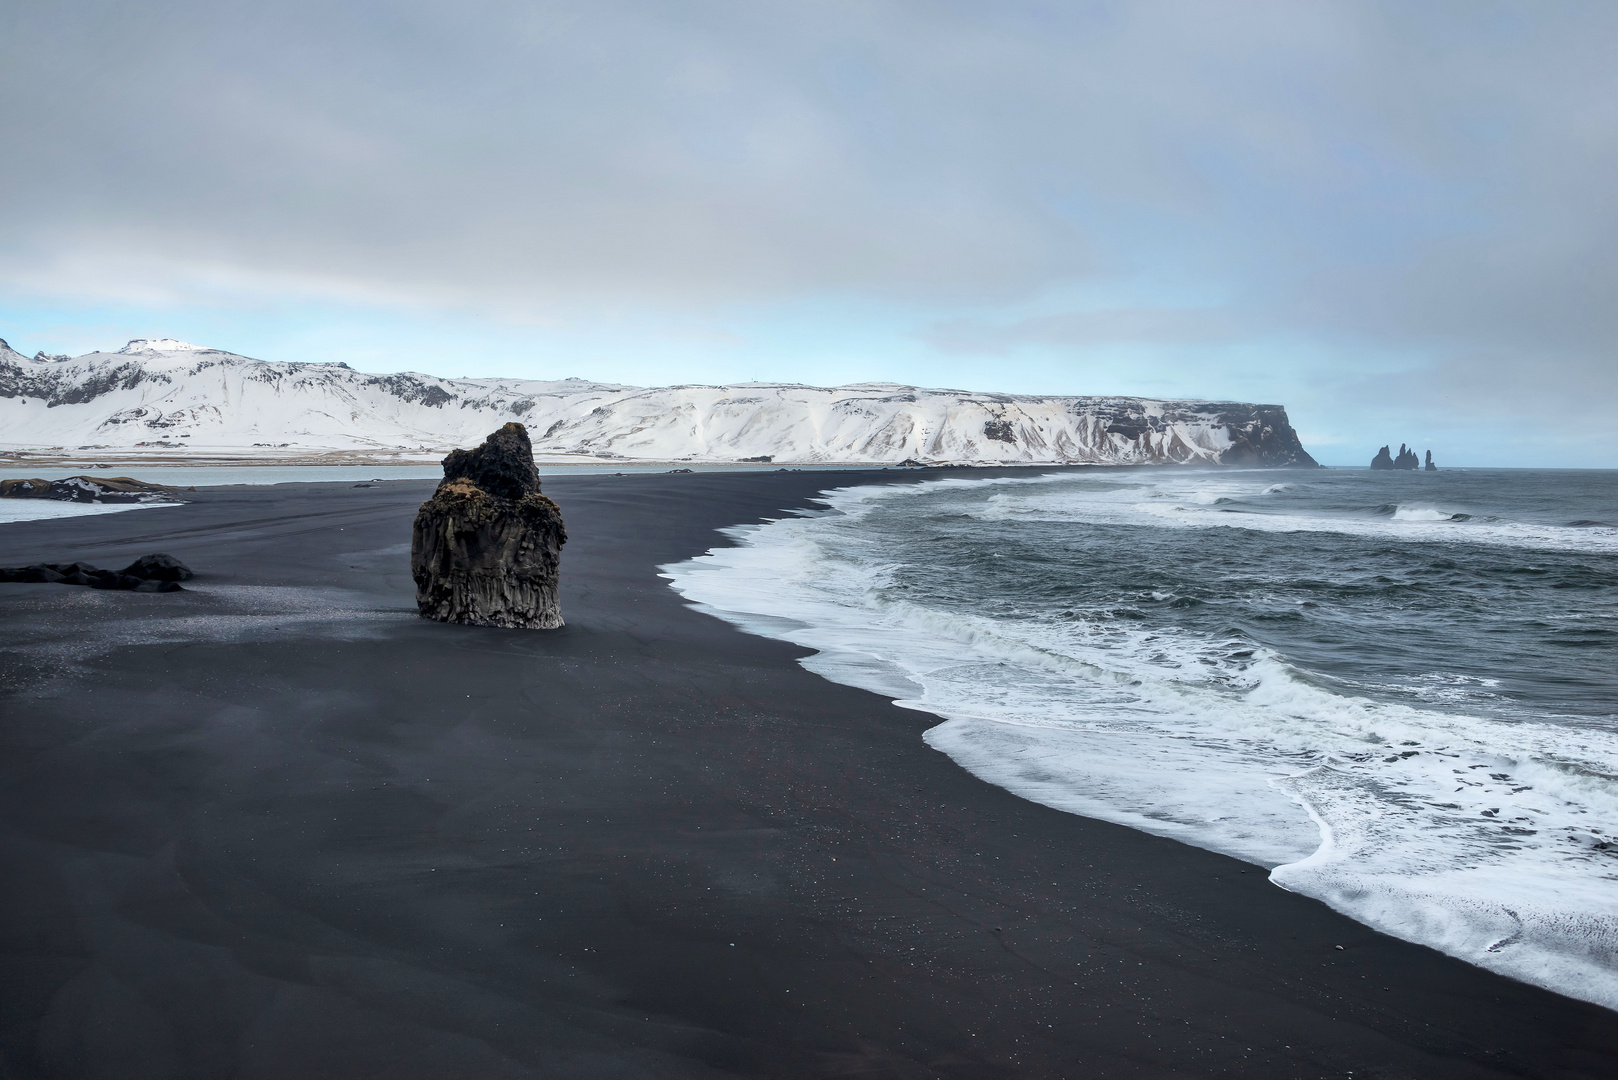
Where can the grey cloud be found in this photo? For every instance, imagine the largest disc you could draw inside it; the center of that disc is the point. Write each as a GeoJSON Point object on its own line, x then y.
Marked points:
{"type": "Point", "coordinates": [1431, 177]}
{"type": "Point", "coordinates": [652, 150]}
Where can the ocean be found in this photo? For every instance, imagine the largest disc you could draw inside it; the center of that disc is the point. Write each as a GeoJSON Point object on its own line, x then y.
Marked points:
{"type": "Point", "coordinates": [1397, 692]}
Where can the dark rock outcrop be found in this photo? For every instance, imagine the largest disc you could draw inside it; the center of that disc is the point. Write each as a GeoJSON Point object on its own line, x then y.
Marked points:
{"type": "Point", "coordinates": [1430, 466]}
{"type": "Point", "coordinates": [149, 573]}
{"type": "Point", "coordinates": [158, 567]}
{"type": "Point", "coordinates": [1262, 435]}
{"type": "Point", "coordinates": [85, 489]}
{"type": "Point", "coordinates": [1001, 431]}
{"type": "Point", "coordinates": [486, 548]}
{"type": "Point", "coordinates": [1407, 459]}
{"type": "Point", "coordinates": [1145, 431]}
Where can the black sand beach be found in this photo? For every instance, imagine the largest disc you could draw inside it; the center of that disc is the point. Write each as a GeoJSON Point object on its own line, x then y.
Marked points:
{"type": "Point", "coordinates": [277, 826]}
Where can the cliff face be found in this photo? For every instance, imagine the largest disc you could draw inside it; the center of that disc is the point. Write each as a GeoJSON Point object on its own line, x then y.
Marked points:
{"type": "Point", "coordinates": [1262, 435]}
{"type": "Point", "coordinates": [486, 549]}
{"type": "Point", "coordinates": [167, 395]}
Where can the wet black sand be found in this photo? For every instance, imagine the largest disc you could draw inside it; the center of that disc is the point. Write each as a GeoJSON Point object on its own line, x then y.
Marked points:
{"type": "Point", "coordinates": [275, 826]}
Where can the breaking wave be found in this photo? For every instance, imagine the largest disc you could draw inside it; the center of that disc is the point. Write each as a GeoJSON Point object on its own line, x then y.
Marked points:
{"type": "Point", "coordinates": [1228, 661]}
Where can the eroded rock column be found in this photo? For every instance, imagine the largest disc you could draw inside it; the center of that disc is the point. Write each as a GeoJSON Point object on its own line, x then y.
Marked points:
{"type": "Point", "coordinates": [486, 549]}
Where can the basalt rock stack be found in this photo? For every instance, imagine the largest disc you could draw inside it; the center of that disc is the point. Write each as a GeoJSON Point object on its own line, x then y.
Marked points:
{"type": "Point", "coordinates": [487, 546]}
{"type": "Point", "coordinates": [1407, 459]}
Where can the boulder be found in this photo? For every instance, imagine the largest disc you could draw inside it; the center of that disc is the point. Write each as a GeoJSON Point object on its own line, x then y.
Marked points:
{"type": "Point", "coordinates": [149, 573]}
{"type": "Point", "coordinates": [486, 548]}
{"type": "Point", "coordinates": [158, 567]}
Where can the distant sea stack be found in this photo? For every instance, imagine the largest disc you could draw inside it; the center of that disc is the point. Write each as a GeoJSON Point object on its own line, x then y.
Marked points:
{"type": "Point", "coordinates": [486, 548]}
{"type": "Point", "coordinates": [1430, 466]}
{"type": "Point", "coordinates": [1407, 459]}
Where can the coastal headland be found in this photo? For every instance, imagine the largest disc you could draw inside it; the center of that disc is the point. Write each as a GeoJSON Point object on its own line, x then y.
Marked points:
{"type": "Point", "coordinates": [166, 400]}
{"type": "Point", "coordinates": [276, 825]}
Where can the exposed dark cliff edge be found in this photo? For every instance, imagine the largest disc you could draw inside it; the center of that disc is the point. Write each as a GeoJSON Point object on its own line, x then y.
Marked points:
{"type": "Point", "coordinates": [1407, 460]}
{"type": "Point", "coordinates": [88, 489]}
{"type": "Point", "coordinates": [149, 573]}
{"type": "Point", "coordinates": [1258, 434]}
{"type": "Point", "coordinates": [486, 548]}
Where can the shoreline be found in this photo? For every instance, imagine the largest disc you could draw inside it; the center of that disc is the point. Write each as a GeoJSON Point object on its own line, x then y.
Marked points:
{"type": "Point", "coordinates": [284, 824]}
{"type": "Point", "coordinates": [14, 461]}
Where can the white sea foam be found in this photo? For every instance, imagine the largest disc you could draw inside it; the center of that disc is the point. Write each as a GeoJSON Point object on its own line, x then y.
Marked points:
{"type": "Point", "coordinates": [1491, 840]}
{"type": "Point", "coordinates": [1233, 501]}
{"type": "Point", "coordinates": [1422, 513]}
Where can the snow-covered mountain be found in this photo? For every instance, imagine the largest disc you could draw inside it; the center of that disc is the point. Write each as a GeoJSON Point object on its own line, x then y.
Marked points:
{"type": "Point", "coordinates": [166, 395]}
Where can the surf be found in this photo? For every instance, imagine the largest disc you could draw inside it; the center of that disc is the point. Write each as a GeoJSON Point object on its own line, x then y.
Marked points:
{"type": "Point", "coordinates": [1435, 807]}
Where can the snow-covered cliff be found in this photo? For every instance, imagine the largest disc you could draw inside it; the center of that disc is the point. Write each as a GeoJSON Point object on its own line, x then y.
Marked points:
{"type": "Point", "coordinates": [167, 395]}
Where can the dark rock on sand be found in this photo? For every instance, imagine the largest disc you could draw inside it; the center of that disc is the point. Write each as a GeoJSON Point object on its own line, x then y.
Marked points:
{"type": "Point", "coordinates": [158, 567]}
{"type": "Point", "coordinates": [149, 573]}
{"type": "Point", "coordinates": [487, 547]}
{"type": "Point", "coordinates": [86, 489]}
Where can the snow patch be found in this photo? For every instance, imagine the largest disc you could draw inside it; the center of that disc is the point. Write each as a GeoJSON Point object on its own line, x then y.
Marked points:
{"type": "Point", "coordinates": [158, 345]}
{"type": "Point", "coordinates": [165, 394]}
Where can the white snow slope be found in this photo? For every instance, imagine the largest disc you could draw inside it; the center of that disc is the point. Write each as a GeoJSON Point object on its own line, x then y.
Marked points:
{"type": "Point", "coordinates": [165, 395]}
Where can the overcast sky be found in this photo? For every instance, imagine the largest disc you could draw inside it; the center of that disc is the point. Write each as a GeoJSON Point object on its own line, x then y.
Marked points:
{"type": "Point", "coordinates": [1399, 220]}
